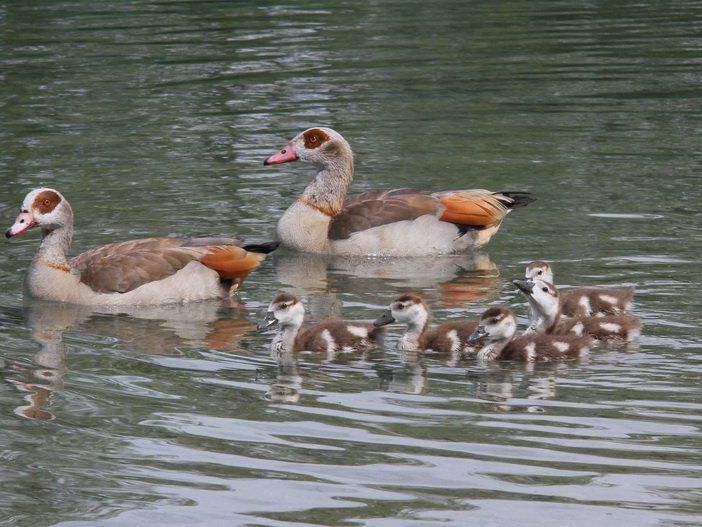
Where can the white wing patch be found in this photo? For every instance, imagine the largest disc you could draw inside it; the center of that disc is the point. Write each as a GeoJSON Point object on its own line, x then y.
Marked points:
{"type": "Point", "coordinates": [577, 329]}
{"type": "Point", "coordinates": [561, 346]}
{"type": "Point", "coordinates": [530, 352]}
{"type": "Point", "coordinates": [611, 326]}
{"type": "Point", "coordinates": [584, 302]}
{"type": "Point", "coordinates": [331, 343]}
{"type": "Point", "coordinates": [358, 331]}
{"type": "Point", "coordinates": [453, 337]}
{"type": "Point", "coordinates": [609, 299]}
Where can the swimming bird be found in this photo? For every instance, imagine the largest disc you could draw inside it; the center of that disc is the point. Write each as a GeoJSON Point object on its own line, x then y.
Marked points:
{"type": "Point", "coordinates": [286, 313]}
{"type": "Point", "coordinates": [400, 222]}
{"type": "Point", "coordinates": [137, 272]}
{"type": "Point", "coordinates": [411, 310]}
{"type": "Point", "coordinates": [545, 316]}
{"type": "Point", "coordinates": [498, 327]}
{"type": "Point", "coordinates": [585, 301]}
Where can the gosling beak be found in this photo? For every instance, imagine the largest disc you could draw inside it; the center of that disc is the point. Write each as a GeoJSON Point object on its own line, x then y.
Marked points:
{"type": "Point", "coordinates": [478, 334]}
{"type": "Point", "coordinates": [286, 155]}
{"type": "Point", "coordinates": [24, 222]}
{"type": "Point", "coordinates": [268, 321]}
{"type": "Point", "coordinates": [525, 286]}
{"type": "Point", "coordinates": [384, 319]}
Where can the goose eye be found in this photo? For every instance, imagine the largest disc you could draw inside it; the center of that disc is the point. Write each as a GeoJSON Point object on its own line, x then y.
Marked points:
{"type": "Point", "coordinates": [47, 202]}
{"type": "Point", "coordinates": [313, 139]}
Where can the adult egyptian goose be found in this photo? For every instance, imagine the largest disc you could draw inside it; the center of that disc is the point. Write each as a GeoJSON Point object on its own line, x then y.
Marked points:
{"type": "Point", "coordinates": [585, 301]}
{"type": "Point", "coordinates": [449, 337]}
{"type": "Point", "coordinates": [401, 222]}
{"type": "Point", "coordinates": [545, 316]}
{"type": "Point", "coordinates": [329, 336]}
{"type": "Point", "coordinates": [138, 272]}
{"type": "Point", "coordinates": [498, 326]}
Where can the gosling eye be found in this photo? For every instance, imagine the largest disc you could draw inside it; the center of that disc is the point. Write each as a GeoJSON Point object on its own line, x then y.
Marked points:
{"type": "Point", "coordinates": [493, 321]}
{"type": "Point", "coordinates": [539, 273]}
{"type": "Point", "coordinates": [400, 307]}
{"type": "Point", "coordinates": [283, 306]}
{"type": "Point", "coordinates": [544, 289]}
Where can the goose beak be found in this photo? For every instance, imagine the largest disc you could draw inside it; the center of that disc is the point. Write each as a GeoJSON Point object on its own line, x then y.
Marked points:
{"type": "Point", "coordinates": [525, 286]}
{"type": "Point", "coordinates": [384, 319]}
{"type": "Point", "coordinates": [268, 321]}
{"type": "Point", "coordinates": [24, 222]}
{"type": "Point", "coordinates": [478, 334]}
{"type": "Point", "coordinates": [286, 155]}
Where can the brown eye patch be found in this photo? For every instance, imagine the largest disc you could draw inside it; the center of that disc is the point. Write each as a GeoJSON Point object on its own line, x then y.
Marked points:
{"type": "Point", "coordinates": [315, 137]}
{"type": "Point", "coordinates": [46, 201]}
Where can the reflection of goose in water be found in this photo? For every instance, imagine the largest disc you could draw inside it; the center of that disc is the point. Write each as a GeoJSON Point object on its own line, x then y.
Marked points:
{"type": "Point", "coordinates": [160, 330]}
{"type": "Point", "coordinates": [498, 383]}
{"type": "Point", "coordinates": [410, 377]}
{"type": "Point", "coordinates": [45, 376]}
{"type": "Point", "coordinates": [288, 381]}
{"type": "Point", "coordinates": [452, 280]}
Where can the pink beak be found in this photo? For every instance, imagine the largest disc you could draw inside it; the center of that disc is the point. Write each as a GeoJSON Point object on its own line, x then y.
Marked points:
{"type": "Point", "coordinates": [24, 222]}
{"type": "Point", "coordinates": [286, 155]}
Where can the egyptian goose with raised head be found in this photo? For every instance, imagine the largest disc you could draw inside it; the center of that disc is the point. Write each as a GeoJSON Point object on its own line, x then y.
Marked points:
{"type": "Point", "coordinates": [286, 313]}
{"type": "Point", "coordinates": [585, 301]}
{"type": "Point", "coordinates": [545, 316]}
{"type": "Point", "coordinates": [138, 272]}
{"type": "Point", "coordinates": [498, 326]}
{"type": "Point", "coordinates": [449, 337]}
{"type": "Point", "coordinates": [401, 222]}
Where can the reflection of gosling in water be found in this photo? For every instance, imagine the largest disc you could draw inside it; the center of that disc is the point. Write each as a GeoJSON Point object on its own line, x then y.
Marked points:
{"type": "Point", "coordinates": [585, 301]}
{"type": "Point", "coordinates": [498, 327]}
{"type": "Point", "coordinates": [287, 313]}
{"type": "Point", "coordinates": [545, 316]}
{"type": "Point", "coordinates": [449, 337]}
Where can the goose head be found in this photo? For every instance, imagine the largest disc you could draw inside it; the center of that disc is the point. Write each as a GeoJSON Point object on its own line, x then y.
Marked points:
{"type": "Point", "coordinates": [285, 311]}
{"type": "Point", "coordinates": [542, 296]}
{"type": "Point", "coordinates": [42, 207]}
{"type": "Point", "coordinates": [319, 145]}
{"type": "Point", "coordinates": [540, 270]}
{"type": "Point", "coordinates": [497, 323]}
{"type": "Point", "coordinates": [406, 309]}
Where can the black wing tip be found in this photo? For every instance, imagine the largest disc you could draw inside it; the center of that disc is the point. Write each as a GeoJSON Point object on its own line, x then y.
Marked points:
{"type": "Point", "coordinates": [263, 248]}
{"type": "Point", "coordinates": [518, 199]}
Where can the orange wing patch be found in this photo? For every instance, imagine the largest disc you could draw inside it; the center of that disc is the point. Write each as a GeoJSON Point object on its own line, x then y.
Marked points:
{"type": "Point", "coordinates": [231, 262]}
{"type": "Point", "coordinates": [472, 208]}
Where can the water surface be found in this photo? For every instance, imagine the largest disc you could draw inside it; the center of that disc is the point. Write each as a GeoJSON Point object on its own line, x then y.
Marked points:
{"type": "Point", "coordinates": [153, 118]}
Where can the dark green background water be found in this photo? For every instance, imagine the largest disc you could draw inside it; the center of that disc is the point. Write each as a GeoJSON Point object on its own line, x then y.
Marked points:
{"type": "Point", "coordinates": [153, 118]}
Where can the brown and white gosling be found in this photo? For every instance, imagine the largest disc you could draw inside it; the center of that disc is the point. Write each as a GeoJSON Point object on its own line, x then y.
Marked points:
{"type": "Point", "coordinates": [585, 301]}
{"type": "Point", "coordinates": [287, 313]}
{"type": "Point", "coordinates": [545, 316]}
{"type": "Point", "coordinates": [449, 337]}
{"type": "Point", "coordinates": [498, 326]}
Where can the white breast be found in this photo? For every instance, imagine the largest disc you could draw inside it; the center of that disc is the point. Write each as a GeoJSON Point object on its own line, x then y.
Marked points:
{"type": "Point", "coordinates": [304, 228]}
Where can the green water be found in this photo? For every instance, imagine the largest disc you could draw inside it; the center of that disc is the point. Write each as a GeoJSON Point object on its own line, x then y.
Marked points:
{"type": "Point", "coordinates": [153, 118]}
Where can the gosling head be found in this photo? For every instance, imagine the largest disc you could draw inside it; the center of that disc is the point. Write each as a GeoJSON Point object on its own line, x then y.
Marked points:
{"type": "Point", "coordinates": [497, 323]}
{"type": "Point", "coordinates": [285, 310]}
{"type": "Point", "coordinates": [406, 309]}
{"type": "Point", "coordinates": [540, 270]}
